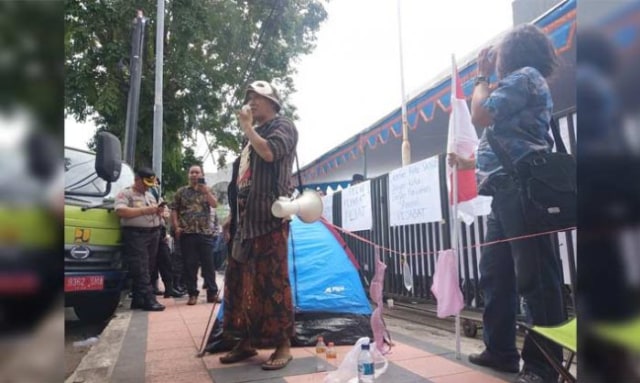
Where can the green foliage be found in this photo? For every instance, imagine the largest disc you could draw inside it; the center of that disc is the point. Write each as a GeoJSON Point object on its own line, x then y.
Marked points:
{"type": "Point", "coordinates": [31, 75]}
{"type": "Point", "coordinates": [212, 49]}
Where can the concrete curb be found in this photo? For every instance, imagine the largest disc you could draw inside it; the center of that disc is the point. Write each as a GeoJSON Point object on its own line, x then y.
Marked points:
{"type": "Point", "coordinates": [98, 364]}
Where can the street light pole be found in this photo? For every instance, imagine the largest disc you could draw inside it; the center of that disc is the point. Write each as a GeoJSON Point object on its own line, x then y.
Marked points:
{"type": "Point", "coordinates": [406, 147]}
{"type": "Point", "coordinates": [131, 123]}
{"type": "Point", "coordinates": [157, 107]}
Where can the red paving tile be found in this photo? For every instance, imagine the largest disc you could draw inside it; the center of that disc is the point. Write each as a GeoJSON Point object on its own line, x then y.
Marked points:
{"type": "Point", "coordinates": [169, 355]}
{"type": "Point", "coordinates": [433, 366]}
{"type": "Point", "coordinates": [184, 377]}
{"type": "Point", "coordinates": [170, 310]}
{"type": "Point", "coordinates": [191, 318]}
{"type": "Point", "coordinates": [467, 377]}
{"type": "Point", "coordinates": [168, 319]}
{"type": "Point", "coordinates": [153, 344]}
{"type": "Point", "coordinates": [167, 313]}
{"type": "Point", "coordinates": [169, 336]}
{"type": "Point", "coordinates": [184, 364]}
{"type": "Point", "coordinates": [197, 331]}
{"type": "Point", "coordinates": [168, 324]}
{"type": "Point", "coordinates": [197, 327]}
{"type": "Point", "coordinates": [177, 330]}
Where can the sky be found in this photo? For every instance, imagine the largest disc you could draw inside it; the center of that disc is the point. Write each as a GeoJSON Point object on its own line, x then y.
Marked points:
{"type": "Point", "coordinates": [352, 78]}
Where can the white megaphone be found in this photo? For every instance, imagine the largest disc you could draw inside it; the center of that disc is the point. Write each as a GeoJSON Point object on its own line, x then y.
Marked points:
{"type": "Point", "coordinates": [308, 207]}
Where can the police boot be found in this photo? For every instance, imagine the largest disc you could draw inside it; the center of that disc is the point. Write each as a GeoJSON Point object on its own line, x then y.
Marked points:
{"type": "Point", "coordinates": [156, 290]}
{"type": "Point", "coordinates": [137, 301]}
{"type": "Point", "coordinates": [152, 305]}
{"type": "Point", "coordinates": [170, 292]}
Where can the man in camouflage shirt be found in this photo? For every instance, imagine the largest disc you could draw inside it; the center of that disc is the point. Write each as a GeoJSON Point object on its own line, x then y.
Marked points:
{"type": "Point", "coordinates": [192, 223]}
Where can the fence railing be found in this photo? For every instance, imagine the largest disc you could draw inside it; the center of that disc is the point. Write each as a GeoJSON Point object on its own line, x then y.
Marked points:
{"type": "Point", "coordinates": [421, 242]}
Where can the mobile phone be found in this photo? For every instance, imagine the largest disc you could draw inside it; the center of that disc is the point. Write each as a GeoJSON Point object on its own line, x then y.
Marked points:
{"type": "Point", "coordinates": [162, 204]}
{"type": "Point", "coordinates": [201, 181]}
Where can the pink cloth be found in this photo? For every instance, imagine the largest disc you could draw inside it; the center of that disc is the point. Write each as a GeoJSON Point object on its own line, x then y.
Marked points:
{"type": "Point", "coordinates": [381, 335]}
{"type": "Point", "coordinates": [445, 285]}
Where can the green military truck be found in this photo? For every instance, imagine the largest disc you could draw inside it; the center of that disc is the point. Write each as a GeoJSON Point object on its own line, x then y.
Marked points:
{"type": "Point", "coordinates": [94, 270]}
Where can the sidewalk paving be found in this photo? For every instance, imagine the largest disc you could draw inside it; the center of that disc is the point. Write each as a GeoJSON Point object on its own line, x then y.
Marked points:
{"type": "Point", "coordinates": [140, 346]}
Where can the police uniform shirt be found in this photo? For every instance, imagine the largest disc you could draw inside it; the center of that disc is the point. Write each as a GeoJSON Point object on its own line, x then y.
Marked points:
{"type": "Point", "coordinates": [131, 198]}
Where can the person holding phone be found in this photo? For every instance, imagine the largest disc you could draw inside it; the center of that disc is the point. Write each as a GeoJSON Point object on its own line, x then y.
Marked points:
{"type": "Point", "coordinates": [191, 220]}
{"type": "Point", "coordinates": [140, 220]}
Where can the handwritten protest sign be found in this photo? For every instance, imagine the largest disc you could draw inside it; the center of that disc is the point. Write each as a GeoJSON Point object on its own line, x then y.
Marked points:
{"type": "Point", "coordinates": [414, 194]}
{"type": "Point", "coordinates": [356, 207]}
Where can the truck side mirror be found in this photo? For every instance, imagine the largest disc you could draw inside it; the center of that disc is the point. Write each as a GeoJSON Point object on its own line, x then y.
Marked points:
{"type": "Point", "coordinates": [108, 156]}
{"type": "Point", "coordinates": [43, 157]}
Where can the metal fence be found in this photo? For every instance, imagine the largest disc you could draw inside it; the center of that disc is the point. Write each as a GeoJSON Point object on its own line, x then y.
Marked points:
{"type": "Point", "coordinates": [423, 241]}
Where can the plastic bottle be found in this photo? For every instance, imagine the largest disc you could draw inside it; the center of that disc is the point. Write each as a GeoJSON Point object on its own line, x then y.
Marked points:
{"type": "Point", "coordinates": [321, 349]}
{"type": "Point", "coordinates": [332, 355]}
{"type": "Point", "coordinates": [365, 365]}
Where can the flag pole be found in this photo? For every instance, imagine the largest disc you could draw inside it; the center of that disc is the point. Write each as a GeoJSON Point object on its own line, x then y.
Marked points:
{"type": "Point", "coordinates": [406, 146]}
{"type": "Point", "coordinates": [455, 241]}
{"type": "Point", "coordinates": [455, 235]}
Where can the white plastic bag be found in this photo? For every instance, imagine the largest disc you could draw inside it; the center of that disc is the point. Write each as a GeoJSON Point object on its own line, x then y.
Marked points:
{"type": "Point", "coordinates": [347, 372]}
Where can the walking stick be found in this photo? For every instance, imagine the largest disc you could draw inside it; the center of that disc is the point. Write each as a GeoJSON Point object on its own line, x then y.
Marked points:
{"type": "Point", "coordinates": [207, 329]}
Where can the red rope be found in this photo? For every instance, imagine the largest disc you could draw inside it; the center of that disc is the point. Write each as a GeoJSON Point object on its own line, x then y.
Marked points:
{"type": "Point", "coordinates": [347, 232]}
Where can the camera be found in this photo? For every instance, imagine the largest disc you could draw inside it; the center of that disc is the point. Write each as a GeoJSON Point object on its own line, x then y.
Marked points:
{"type": "Point", "coordinates": [201, 181]}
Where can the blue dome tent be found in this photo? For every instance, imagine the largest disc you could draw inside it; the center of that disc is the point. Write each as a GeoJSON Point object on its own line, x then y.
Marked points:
{"type": "Point", "coordinates": [327, 291]}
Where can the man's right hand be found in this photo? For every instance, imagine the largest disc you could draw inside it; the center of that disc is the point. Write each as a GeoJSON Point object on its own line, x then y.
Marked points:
{"type": "Point", "coordinates": [462, 163]}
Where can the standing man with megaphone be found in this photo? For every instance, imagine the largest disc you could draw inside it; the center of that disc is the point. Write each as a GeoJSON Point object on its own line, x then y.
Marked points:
{"type": "Point", "coordinates": [258, 308]}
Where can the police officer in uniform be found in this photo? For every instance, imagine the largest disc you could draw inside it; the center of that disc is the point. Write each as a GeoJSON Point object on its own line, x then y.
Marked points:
{"type": "Point", "coordinates": [162, 260]}
{"type": "Point", "coordinates": [140, 219]}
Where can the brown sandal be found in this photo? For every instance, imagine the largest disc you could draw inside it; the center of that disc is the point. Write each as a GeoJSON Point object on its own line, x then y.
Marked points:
{"type": "Point", "coordinates": [235, 356]}
{"type": "Point", "coordinates": [274, 363]}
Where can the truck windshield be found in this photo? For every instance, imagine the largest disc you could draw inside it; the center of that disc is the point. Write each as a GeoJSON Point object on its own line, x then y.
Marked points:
{"type": "Point", "coordinates": [81, 177]}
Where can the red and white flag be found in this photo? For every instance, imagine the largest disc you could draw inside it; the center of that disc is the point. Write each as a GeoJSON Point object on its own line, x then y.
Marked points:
{"type": "Point", "coordinates": [463, 141]}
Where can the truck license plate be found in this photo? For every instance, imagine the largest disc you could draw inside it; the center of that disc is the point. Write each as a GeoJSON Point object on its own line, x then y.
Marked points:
{"type": "Point", "coordinates": [89, 283]}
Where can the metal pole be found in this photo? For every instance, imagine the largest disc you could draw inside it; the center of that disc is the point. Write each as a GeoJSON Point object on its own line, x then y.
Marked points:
{"type": "Point", "coordinates": [406, 147]}
{"type": "Point", "coordinates": [157, 107]}
{"type": "Point", "coordinates": [455, 226]}
{"type": "Point", "coordinates": [455, 244]}
{"type": "Point", "coordinates": [131, 124]}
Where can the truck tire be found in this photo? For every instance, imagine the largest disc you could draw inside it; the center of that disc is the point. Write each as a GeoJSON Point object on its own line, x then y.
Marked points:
{"type": "Point", "coordinates": [97, 310]}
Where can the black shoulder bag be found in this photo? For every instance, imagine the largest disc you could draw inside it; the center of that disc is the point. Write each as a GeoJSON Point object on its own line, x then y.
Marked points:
{"type": "Point", "coordinates": [547, 183]}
